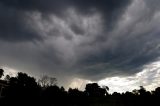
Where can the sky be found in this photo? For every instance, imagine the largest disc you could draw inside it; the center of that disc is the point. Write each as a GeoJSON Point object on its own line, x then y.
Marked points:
{"type": "Point", "coordinates": [112, 42]}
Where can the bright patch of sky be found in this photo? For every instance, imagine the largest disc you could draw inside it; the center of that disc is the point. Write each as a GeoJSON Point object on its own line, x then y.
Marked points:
{"type": "Point", "coordinates": [149, 77]}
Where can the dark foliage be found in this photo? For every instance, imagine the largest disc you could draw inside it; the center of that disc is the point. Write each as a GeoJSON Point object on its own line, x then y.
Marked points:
{"type": "Point", "coordinates": [1, 72]}
{"type": "Point", "coordinates": [25, 90]}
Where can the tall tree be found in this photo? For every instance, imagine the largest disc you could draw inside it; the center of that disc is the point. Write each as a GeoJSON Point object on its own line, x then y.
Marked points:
{"type": "Point", "coordinates": [1, 73]}
{"type": "Point", "coordinates": [94, 89]}
{"type": "Point", "coordinates": [46, 81]}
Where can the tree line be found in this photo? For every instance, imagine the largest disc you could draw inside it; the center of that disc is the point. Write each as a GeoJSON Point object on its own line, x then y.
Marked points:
{"type": "Point", "coordinates": [26, 90]}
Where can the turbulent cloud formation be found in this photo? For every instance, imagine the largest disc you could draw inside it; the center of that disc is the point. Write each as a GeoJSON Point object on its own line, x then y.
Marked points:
{"type": "Point", "coordinates": [86, 39]}
{"type": "Point", "coordinates": [149, 78]}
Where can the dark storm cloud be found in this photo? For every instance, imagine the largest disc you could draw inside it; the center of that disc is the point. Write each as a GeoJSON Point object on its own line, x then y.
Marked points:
{"type": "Point", "coordinates": [81, 38]}
{"type": "Point", "coordinates": [126, 59]}
{"type": "Point", "coordinates": [132, 45]}
{"type": "Point", "coordinates": [13, 14]}
{"type": "Point", "coordinates": [85, 6]}
{"type": "Point", "coordinates": [14, 26]}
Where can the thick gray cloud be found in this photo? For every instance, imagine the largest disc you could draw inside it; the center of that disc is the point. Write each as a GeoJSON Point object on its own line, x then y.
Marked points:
{"type": "Point", "coordinates": [14, 25]}
{"type": "Point", "coordinates": [89, 39]}
{"type": "Point", "coordinates": [14, 14]}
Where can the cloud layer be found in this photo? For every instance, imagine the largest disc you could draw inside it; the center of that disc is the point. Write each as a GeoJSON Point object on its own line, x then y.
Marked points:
{"type": "Point", "coordinates": [149, 78]}
{"type": "Point", "coordinates": [88, 39]}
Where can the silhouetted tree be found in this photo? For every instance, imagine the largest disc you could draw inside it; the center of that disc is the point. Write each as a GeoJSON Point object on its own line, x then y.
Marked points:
{"type": "Point", "coordinates": [7, 78]}
{"type": "Point", "coordinates": [94, 89]}
{"type": "Point", "coordinates": [157, 91]}
{"type": "Point", "coordinates": [106, 88]}
{"type": "Point", "coordinates": [26, 81]}
{"type": "Point", "coordinates": [24, 89]}
{"type": "Point", "coordinates": [46, 81]}
{"type": "Point", "coordinates": [142, 91]}
{"type": "Point", "coordinates": [75, 92]}
{"type": "Point", "coordinates": [129, 94]}
{"type": "Point", "coordinates": [135, 92]}
{"type": "Point", "coordinates": [116, 94]}
{"type": "Point", "coordinates": [23, 86]}
{"type": "Point", "coordinates": [53, 94]}
{"type": "Point", "coordinates": [1, 73]}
